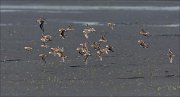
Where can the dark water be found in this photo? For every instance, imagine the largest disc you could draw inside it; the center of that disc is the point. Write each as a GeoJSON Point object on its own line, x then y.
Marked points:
{"type": "Point", "coordinates": [129, 71]}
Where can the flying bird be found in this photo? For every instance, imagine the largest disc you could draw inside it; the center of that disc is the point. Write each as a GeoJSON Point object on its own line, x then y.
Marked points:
{"type": "Point", "coordinates": [44, 46]}
{"type": "Point", "coordinates": [83, 50]}
{"type": "Point", "coordinates": [62, 55]}
{"type": "Point", "coordinates": [54, 51]}
{"type": "Point", "coordinates": [103, 39]}
{"type": "Point", "coordinates": [111, 25]}
{"type": "Point", "coordinates": [142, 44]}
{"type": "Point", "coordinates": [144, 33]}
{"type": "Point", "coordinates": [95, 45]}
{"type": "Point", "coordinates": [58, 51]}
{"type": "Point", "coordinates": [170, 55]}
{"type": "Point", "coordinates": [28, 48]}
{"type": "Point", "coordinates": [88, 30]}
{"type": "Point", "coordinates": [62, 32]}
{"type": "Point", "coordinates": [43, 57]}
{"type": "Point", "coordinates": [110, 48]}
{"type": "Point", "coordinates": [101, 52]}
{"type": "Point", "coordinates": [41, 22]}
{"type": "Point", "coordinates": [70, 28]}
{"type": "Point", "coordinates": [46, 38]}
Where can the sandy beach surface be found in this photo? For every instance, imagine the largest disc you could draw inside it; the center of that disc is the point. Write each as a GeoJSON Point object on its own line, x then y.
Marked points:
{"type": "Point", "coordinates": [128, 71]}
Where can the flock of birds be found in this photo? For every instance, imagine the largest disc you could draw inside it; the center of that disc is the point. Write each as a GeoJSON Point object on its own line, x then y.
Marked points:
{"type": "Point", "coordinates": [143, 44]}
{"type": "Point", "coordinates": [83, 49]}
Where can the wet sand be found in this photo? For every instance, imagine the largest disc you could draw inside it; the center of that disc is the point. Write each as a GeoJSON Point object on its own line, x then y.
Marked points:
{"type": "Point", "coordinates": [129, 71]}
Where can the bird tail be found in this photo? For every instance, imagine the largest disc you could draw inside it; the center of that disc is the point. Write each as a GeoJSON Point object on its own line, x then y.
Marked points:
{"type": "Point", "coordinates": [170, 59]}
{"type": "Point", "coordinates": [42, 28]}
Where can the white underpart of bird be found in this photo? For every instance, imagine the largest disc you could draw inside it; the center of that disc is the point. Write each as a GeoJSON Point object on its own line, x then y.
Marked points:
{"type": "Point", "coordinates": [45, 38]}
{"type": "Point", "coordinates": [59, 52]}
{"type": "Point", "coordinates": [110, 48]}
{"type": "Point", "coordinates": [43, 57]}
{"type": "Point", "coordinates": [144, 33]}
{"type": "Point", "coordinates": [103, 39]}
{"type": "Point", "coordinates": [83, 50]}
{"type": "Point", "coordinates": [41, 22]}
{"type": "Point", "coordinates": [111, 25]}
{"type": "Point", "coordinates": [44, 46]}
{"type": "Point", "coordinates": [61, 55]}
{"type": "Point", "coordinates": [70, 28]}
{"type": "Point", "coordinates": [95, 45]}
{"type": "Point", "coordinates": [101, 52]}
{"type": "Point", "coordinates": [142, 44]}
{"type": "Point", "coordinates": [62, 33]}
{"type": "Point", "coordinates": [28, 48]}
{"type": "Point", "coordinates": [87, 31]}
{"type": "Point", "coordinates": [170, 55]}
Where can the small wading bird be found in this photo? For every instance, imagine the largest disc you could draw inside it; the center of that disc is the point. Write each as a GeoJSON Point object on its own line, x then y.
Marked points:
{"type": "Point", "coordinates": [62, 33]}
{"type": "Point", "coordinates": [142, 44]}
{"type": "Point", "coordinates": [43, 57]}
{"type": "Point", "coordinates": [95, 45]}
{"type": "Point", "coordinates": [28, 48]}
{"type": "Point", "coordinates": [41, 23]}
{"type": "Point", "coordinates": [54, 51]}
{"type": "Point", "coordinates": [111, 25]}
{"type": "Point", "coordinates": [103, 39]}
{"type": "Point", "coordinates": [88, 30]}
{"type": "Point", "coordinates": [170, 55]}
{"type": "Point", "coordinates": [44, 46]}
{"type": "Point", "coordinates": [101, 52]}
{"type": "Point", "coordinates": [45, 38]}
{"type": "Point", "coordinates": [84, 46]}
{"type": "Point", "coordinates": [63, 30]}
{"type": "Point", "coordinates": [110, 48]}
{"type": "Point", "coordinates": [144, 33]}
{"type": "Point", "coordinates": [83, 50]}
{"type": "Point", "coordinates": [70, 28]}
{"type": "Point", "coordinates": [58, 51]}
{"type": "Point", "coordinates": [62, 55]}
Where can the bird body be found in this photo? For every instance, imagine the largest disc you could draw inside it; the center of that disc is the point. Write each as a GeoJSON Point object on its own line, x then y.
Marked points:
{"type": "Point", "coordinates": [58, 51]}
{"type": "Point", "coordinates": [62, 32]}
{"type": "Point", "coordinates": [43, 57]}
{"type": "Point", "coordinates": [101, 52]}
{"type": "Point", "coordinates": [41, 23]}
{"type": "Point", "coordinates": [45, 38]}
{"type": "Point", "coordinates": [44, 46]}
{"type": "Point", "coordinates": [70, 28]}
{"type": "Point", "coordinates": [83, 50]}
{"type": "Point", "coordinates": [144, 33]}
{"type": "Point", "coordinates": [142, 44]}
{"type": "Point", "coordinates": [111, 25]}
{"type": "Point", "coordinates": [170, 55]}
{"type": "Point", "coordinates": [28, 48]}
{"type": "Point", "coordinates": [87, 31]}
{"type": "Point", "coordinates": [103, 39]}
{"type": "Point", "coordinates": [95, 45]}
{"type": "Point", "coordinates": [110, 48]}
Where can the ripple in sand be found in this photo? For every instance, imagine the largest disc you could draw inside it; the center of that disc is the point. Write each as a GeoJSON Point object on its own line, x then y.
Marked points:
{"type": "Point", "coordinates": [135, 77]}
{"type": "Point", "coordinates": [164, 25]}
{"type": "Point", "coordinates": [11, 60]}
{"type": "Point", "coordinates": [170, 75]}
{"type": "Point", "coordinates": [89, 23]}
{"type": "Point", "coordinates": [85, 8]}
{"type": "Point", "coordinates": [5, 24]}
{"type": "Point", "coordinates": [134, 64]}
{"type": "Point", "coordinates": [75, 66]}
{"type": "Point", "coordinates": [55, 11]}
{"type": "Point", "coordinates": [169, 35]}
